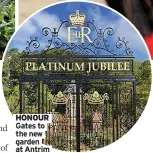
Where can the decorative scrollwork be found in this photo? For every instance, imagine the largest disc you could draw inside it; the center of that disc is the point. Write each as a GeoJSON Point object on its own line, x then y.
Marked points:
{"type": "Point", "coordinates": [121, 43]}
{"type": "Point", "coordinates": [34, 43]}
{"type": "Point", "coordinates": [125, 94]}
{"type": "Point", "coordinates": [125, 120]}
{"type": "Point", "coordinates": [99, 46]}
{"type": "Point", "coordinates": [96, 98]}
{"type": "Point", "coordinates": [60, 98]}
{"type": "Point", "coordinates": [58, 43]}
{"type": "Point", "coordinates": [107, 32]}
{"type": "Point", "coordinates": [46, 31]}
{"type": "Point", "coordinates": [125, 109]}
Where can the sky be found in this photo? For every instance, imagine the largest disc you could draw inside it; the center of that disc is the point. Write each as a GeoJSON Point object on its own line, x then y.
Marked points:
{"type": "Point", "coordinates": [103, 17]}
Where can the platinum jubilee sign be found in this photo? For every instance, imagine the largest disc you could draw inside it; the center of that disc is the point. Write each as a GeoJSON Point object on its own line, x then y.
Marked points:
{"type": "Point", "coordinates": [86, 67]}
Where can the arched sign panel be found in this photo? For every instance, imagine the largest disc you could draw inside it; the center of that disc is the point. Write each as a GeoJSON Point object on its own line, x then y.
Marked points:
{"type": "Point", "coordinates": [79, 70]}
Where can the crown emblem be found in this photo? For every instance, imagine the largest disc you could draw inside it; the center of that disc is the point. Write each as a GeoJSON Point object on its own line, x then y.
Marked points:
{"type": "Point", "coordinates": [77, 19]}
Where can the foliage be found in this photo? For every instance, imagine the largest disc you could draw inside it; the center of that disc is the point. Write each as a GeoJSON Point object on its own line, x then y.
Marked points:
{"type": "Point", "coordinates": [143, 86]}
{"type": "Point", "coordinates": [7, 23]}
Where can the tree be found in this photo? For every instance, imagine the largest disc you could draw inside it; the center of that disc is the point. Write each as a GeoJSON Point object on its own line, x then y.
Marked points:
{"type": "Point", "coordinates": [143, 86]}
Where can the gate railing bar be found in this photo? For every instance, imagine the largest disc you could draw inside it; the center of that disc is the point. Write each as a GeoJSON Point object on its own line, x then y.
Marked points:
{"type": "Point", "coordinates": [113, 109]}
{"type": "Point", "coordinates": [38, 83]}
{"type": "Point", "coordinates": [117, 100]}
{"type": "Point", "coordinates": [76, 56]}
{"type": "Point", "coordinates": [78, 115]}
{"type": "Point", "coordinates": [37, 78]}
{"type": "Point", "coordinates": [76, 60]}
{"type": "Point", "coordinates": [42, 97]}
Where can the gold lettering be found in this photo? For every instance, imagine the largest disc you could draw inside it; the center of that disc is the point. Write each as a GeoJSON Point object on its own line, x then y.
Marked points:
{"type": "Point", "coordinates": [108, 66]}
{"type": "Point", "coordinates": [35, 68]}
{"type": "Point", "coordinates": [42, 67]}
{"type": "Point", "coordinates": [71, 34]}
{"type": "Point", "coordinates": [126, 66]}
{"type": "Point", "coordinates": [120, 66]}
{"type": "Point", "coordinates": [55, 66]}
{"type": "Point", "coordinates": [61, 66]}
{"type": "Point", "coordinates": [28, 66]}
{"type": "Point", "coordinates": [85, 35]}
{"type": "Point", "coordinates": [79, 67]}
{"type": "Point", "coordinates": [94, 66]}
{"type": "Point", "coordinates": [50, 66]}
{"type": "Point", "coordinates": [103, 66]}
{"type": "Point", "coordinates": [89, 68]}
{"type": "Point", "coordinates": [70, 68]}
{"type": "Point", "coordinates": [78, 34]}
{"type": "Point", "coordinates": [113, 66]}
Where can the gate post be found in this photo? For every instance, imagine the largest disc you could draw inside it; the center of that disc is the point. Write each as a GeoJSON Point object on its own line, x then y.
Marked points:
{"type": "Point", "coordinates": [43, 98]}
{"type": "Point", "coordinates": [134, 101]}
{"type": "Point", "coordinates": [39, 101]}
{"type": "Point", "coordinates": [117, 111]}
{"type": "Point", "coordinates": [78, 115]}
{"type": "Point", "coordinates": [20, 98]}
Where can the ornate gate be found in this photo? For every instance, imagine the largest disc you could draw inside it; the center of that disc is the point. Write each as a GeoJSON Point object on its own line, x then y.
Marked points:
{"type": "Point", "coordinates": [87, 87]}
{"type": "Point", "coordinates": [87, 113]}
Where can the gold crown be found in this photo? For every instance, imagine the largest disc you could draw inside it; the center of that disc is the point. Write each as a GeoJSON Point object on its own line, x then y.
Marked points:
{"type": "Point", "coordinates": [77, 19]}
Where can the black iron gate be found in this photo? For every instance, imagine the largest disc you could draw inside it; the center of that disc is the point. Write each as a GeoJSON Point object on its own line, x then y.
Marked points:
{"type": "Point", "coordinates": [87, 112]}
